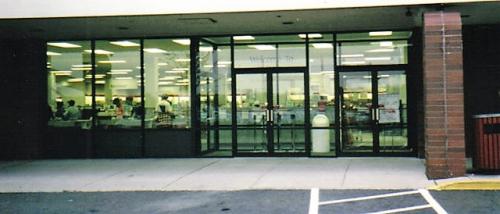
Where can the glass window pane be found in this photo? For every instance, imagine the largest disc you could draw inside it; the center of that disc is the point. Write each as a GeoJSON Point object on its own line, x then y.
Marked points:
{"type": "Point", "coordinates": [118, 91]}
{"type": "Point", "coordinates": [322, 82]}
{"type": "Point", "coordinates": [69, 83]}
{"type": "Point", "coordinates": [215, 97]}
{"type": "Point", "coordinates": [167, 83]}
{"type": "Point", "coordinates": [292, 55]}
{"type": "Point", "coordinates": [372, 53]}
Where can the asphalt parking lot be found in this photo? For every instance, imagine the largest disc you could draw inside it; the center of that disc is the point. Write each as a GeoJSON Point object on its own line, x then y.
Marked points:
{"type": "Point", "coordinates": [251, 201]}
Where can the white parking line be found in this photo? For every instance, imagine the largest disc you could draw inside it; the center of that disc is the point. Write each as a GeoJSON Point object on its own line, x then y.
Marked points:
{"type": "Point", "coordinates": [435, 205]}
{"type": "Point", "coordinates": [403, 209]}
{"type": "Point", "coordinates": [369, 197]}
{"type": "Point", "coordinates": [313, 203]}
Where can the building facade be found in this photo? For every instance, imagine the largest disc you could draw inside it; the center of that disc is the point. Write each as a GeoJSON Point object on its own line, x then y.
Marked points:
{"type": "Point", "coordinates": [393, 80]}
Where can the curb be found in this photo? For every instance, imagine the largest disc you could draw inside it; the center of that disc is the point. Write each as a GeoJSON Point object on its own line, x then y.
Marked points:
{"type": "Point", "coordinates": [468, 185]}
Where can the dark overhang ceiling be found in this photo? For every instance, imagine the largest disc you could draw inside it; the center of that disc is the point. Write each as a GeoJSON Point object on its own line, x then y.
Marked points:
{"type": "Point", "coordinates": [353, 19]}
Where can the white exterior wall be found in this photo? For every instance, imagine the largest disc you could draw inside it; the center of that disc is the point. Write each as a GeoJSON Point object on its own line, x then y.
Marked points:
{"type": "Point", "coordinates": [12, 9]}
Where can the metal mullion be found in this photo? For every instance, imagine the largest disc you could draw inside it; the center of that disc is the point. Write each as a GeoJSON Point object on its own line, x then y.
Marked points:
{"type": "Point", "coordinates": [143, 107]}
{"type": "Point", "coordinates": [94, 106]}
{"type": "Point", "coordinates": [307, 112]}
{"type": "Point", "coordinates": [375, 126]}
{"type": "Point", "coordinates": [337, 97]}
{"type": "Point", "coordinates": [233, 103]}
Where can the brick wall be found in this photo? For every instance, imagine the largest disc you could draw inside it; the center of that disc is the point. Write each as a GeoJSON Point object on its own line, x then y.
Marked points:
{"type": "Point", "coordinates": [443, 95]}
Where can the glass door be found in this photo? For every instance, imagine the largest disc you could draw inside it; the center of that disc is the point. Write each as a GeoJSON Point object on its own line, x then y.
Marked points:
{"type": "Point", "coordinates": [373, 111]}
{"type": "Point", "coordinates": [270, 112]}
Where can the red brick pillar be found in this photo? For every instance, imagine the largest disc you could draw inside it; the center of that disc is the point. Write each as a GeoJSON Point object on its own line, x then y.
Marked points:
{"type": "Point", "coordinates": [443, 95]}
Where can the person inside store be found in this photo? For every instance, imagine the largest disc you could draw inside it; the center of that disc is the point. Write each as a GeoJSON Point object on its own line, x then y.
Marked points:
{"type": "Point", "coordinates": [72, 112]}
{"type": "Point", "coordinates": [117, 105]}
{"type": "Point", "coordinates": [59, 110]}
{"type": "Point", "coordinates": [128, 106]}
{"type": "Point", "coordinates": [164, 111]}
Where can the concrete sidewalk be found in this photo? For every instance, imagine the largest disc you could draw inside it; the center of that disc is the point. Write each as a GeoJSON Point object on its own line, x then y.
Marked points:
{"type": "Point", "coordinates": [212, 174]}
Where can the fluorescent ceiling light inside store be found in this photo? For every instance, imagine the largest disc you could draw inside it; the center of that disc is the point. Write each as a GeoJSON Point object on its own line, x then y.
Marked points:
{"type": "Point", "coordinates": [263, 47]}
{"type": "Point", "coordinates": [165, 83]}
{"type": "Point", "coordinates": [62, 73]}
{"type": "Point", "coordinates": [162, 64]}
{"type": "Point", "coordinates": [322, 45]}
{"type": "Point", "coordinates": [125, 43]}
{"type": "Point", "coordinates": [76, 80]}
{"type": "Point", "coordinates": [224, 62]}
{"type": "Point", "coordinates": [351, 55]}
{"type": "Point", "coordinates": [50, 53]}
{"type": "Point", "coordinates": [243, 38]}
{"type": "Point", "coordinates": [182, 60]}
{"type": "Point", "coordinates": [121, 70]}
{"type": "Point", "coordinates": [175, 71]}
{"type": "Point", "coordinates": [100, 52]}
{"type": "Point", "coordinates": [380, 33]}
{"type": "Point", "coordinates": [112, 61]}
{"type": "Point", "coordinates": [381, 50]}
{"type": "Point", "coordinates": [123, 78]}
{"type": "Point", "coordinates": [117, 72]}
{"type": "Point", "coordinates": [206, 49]}
{"type": "Point", "coordinates": [170, 78]}
{"type": "Point", "coordinates": [377, 58]}
{"type": "Point", "coordinates": [354, 63]}
{"type": "Point", "coordinates": [182, 41]}
{"type": "Point", "coordinates": [154, 50]}
{"type": "Point", "coordinates": [63, 45]}
{"type": "Point", "coordinates": [311, 36]}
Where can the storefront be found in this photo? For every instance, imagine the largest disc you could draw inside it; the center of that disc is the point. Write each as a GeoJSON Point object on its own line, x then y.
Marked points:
{"type": "Point", "coordinates": [304, 94]}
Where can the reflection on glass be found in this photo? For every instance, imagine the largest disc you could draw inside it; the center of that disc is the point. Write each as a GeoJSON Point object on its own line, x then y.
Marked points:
{"type": "Point", "coordinates": [167, 83]}
{"type": "Point", "coordinates": [251, 105]}
{"type": "Point", "coordinates": [372, 53]}
{"type": "Point", "coordinates": [69, 84]}
{"type": "Point", "coordinates": [356, 103]}
{"type": "Point", "coordinates": [322, 98]}
{"type": "Point", "coordinates": [118, 91]}
{"type": "Point", "coordinates": [270, 55]}
{"type": "Point", "coordinates": [392, 102]}
{"type": "Point", "coordinates": [215, 98]}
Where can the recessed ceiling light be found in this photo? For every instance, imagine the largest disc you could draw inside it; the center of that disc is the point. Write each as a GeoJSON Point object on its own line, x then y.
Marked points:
{"type": "Point", "coordinates": [63, 45]}
{"type": "Point", "coordinates": [182, 41]}
{"type": "Point", "coordinates": [311, 36]}
{"type": "Point", "coordinates": [263, 47]}
{"type": "Point", "coordinates": [243, 38]}
{"type": "Point", "coordinates": [380, 33]}
{"type": "Point", "coordinates": [154, 50]}
{"type": "Point", "coordinates": [111, 61]}
{"type": "Point", "coordinates": [125, 43]}
{"type": "Point", "coordinates": [101, 52]}
{"type": "Point", "coordinates": [50, 53]}
{"type": "Point", "coordinates": [322, 45]}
